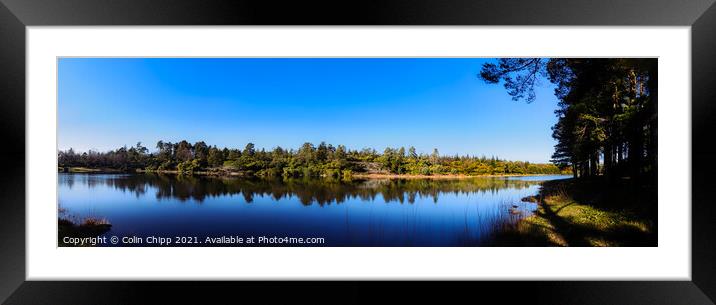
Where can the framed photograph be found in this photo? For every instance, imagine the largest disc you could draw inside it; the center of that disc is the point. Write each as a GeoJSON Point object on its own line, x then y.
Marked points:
{"type": "Point", "coordinates": [560, 150]}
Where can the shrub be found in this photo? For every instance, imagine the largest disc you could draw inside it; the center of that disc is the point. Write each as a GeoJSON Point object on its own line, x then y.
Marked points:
{"type": "Point", "coordinates": [165, 166]}
{"type": "Point", "coordinates": [188, 167]}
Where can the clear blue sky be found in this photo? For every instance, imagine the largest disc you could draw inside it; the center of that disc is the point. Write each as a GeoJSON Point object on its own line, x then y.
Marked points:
{"type": "Point", "coordinates": [105, 103]}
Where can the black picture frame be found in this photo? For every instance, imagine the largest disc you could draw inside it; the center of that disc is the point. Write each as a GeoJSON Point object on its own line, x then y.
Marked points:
{"type": "Point", "coordinates": [16, 15]}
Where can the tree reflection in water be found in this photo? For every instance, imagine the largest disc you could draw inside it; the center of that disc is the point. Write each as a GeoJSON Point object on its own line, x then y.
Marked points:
{"type": "Point", "coordinates": [308, 191]}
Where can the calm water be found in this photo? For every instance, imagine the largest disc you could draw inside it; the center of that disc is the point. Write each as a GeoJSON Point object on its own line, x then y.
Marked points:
{"type": "Point", "coordinates": [390, 212]}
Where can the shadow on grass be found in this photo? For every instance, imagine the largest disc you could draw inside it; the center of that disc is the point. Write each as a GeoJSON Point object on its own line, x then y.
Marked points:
{"type": "Point", "coordinates": [583, 213]}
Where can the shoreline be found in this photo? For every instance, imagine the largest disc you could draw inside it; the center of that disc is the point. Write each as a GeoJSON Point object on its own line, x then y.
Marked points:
{"type": "Point", "coordinates": [220, 173]}
{"type": "Point", "coordinates": [449, 176]}
{"type": "Point", "coordinates": [570, 213]}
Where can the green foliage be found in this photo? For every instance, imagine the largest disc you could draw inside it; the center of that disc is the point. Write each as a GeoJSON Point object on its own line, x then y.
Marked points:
{"type": "Point", "coordinates": [167, 165]}
{"type": "Point", "coordinates": [324, 160]}
{"type": "Point", "coordinates": [188, 167]}
{"type": "Point", "coordinates": [215, 157]}
{"type": "Point", "coordinates": [607, 110]}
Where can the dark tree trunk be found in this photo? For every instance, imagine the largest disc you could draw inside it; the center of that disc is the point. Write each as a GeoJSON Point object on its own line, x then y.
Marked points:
{"type": "Point", "coordinates": [584, 168]}
{"type": "Point", "coordinates": [574, 170]}
{"type": "Point", "coordinates": [636, 151]}
{"type": "Point", "coordinates": [652, 85]}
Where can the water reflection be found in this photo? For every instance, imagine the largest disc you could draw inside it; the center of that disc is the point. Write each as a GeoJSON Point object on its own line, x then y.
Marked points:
{"type": "Point", "coordinates": [374, 212]}
{"type": "Point", "coordinates": [308, 191]}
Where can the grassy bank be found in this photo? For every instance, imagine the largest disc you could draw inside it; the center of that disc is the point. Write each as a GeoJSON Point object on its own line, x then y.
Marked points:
{"type": "Point", "coordinates": [88, 170]}
{"type": "Point", "coordinates": [70, 225]}
{"type": "Point", "coordinates": [87, 227]}
{"type": "Point", "coordinates": [587, 213]}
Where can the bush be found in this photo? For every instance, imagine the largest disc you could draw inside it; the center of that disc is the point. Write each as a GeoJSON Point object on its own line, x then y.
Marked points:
{"type": "Point", "coordinates": [291, 172]}
{"type": "Point", "coordinates": [310, 171]}
{"type": "Point", "coordinates": [188, 167]}
{"type": "Point", "coordinates": [165, 166]}
{"type": "Point", "coordinates": [231, 164]}
{"type": "Point", "coordinates": [269, 172]}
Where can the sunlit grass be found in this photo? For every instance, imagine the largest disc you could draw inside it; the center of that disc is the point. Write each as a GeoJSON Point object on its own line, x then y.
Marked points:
{"type": "Point", "coordinates": [562, 220]}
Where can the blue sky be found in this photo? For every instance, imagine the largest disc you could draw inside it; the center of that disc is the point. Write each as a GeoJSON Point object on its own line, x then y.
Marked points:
{"type": "Point", "coordinates": [105, 103]}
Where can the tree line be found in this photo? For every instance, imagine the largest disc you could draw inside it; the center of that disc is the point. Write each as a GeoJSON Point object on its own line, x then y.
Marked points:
{"type": "Point", "coordinates": [323, 160]}
{"type": "Point", "coordinates": [607, 110]}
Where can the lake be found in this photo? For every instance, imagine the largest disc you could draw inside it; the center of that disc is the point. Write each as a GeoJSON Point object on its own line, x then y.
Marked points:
{"type": "Point", "coordinates": [373, 212]}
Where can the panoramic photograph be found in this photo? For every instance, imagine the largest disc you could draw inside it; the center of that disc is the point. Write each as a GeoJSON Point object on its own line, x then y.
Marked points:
{"type": "Point", "coordinates": [357, 152]}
